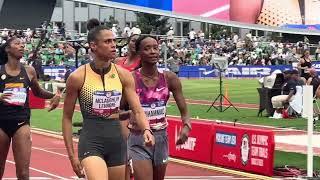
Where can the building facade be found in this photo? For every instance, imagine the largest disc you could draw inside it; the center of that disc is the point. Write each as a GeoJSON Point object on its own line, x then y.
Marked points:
{"type": "Point", "coordinates": [75, 14]}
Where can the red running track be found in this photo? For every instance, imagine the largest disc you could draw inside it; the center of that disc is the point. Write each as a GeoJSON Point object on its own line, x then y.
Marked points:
{"type": "Point", "coordinates": [49, 161]}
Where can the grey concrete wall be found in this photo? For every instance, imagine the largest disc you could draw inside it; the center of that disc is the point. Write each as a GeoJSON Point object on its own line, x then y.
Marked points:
{"type": "Point", "coordinates": [68, 15]}
{"type": "Point", "coordinates": [94, 11]}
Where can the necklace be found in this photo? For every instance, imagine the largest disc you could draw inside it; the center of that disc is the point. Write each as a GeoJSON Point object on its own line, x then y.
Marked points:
{"type": "Point", "coordinates": [148, 76]}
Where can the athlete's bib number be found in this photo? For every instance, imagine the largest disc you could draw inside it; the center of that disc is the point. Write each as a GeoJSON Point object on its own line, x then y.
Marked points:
{"type": "Point", "coordinates": [106, 102]}
{"type": "Point", "coordinates": [18, 97]}
{"type": "Point", "coordinates": [154, 111]}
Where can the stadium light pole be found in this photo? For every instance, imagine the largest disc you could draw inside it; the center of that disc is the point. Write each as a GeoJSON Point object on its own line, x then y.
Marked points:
{"type": "Point", "coordinates": [308, 112]}
{"type": "Point", "coordinates": [165, 56]}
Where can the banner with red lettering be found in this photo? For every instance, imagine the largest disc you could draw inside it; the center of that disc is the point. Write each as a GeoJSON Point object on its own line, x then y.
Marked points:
{"type": "Point", "coordinates": [242, 148]}
{"type": "Point", "coordinates": [199, 144]}
{"type": "Point", "coordinates": [35, 102]}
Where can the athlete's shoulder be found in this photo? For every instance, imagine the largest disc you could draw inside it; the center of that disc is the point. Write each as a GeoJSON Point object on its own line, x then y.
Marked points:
{"type": "Point", "coordinates": [121, 70]}
{"type": "Point", "coordinates": [28, 67]}
{"type": "Point", "coordinates": [77, 75]}
{"type": "Point", "coordinates": [120, 60]}
{"type": "Point", "coordinates": [170, 75]}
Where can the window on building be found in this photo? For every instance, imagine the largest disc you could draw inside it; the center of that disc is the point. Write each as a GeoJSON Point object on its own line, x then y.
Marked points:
{"type": "Point", "coordinates": [83, 28]}
{"type": "Point", "coordinates": [84, 5]}
{"type": "Point", "coordinates": [80, 4]}
{"type": "Point", "coordinates": [59, 3]}
{"type": "Point", "coordinates": [260, 33]}
{"type": "Point", "coordinates": [76, 26]}
{"type": "Point", "coordinates": [186, 28]}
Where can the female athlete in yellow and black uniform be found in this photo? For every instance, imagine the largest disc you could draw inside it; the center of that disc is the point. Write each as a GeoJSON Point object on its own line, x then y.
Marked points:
{"type": "Point", "coordinates": [100, 86]}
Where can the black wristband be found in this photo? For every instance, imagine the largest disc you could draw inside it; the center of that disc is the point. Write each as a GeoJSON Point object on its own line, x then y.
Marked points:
{"type": "Point", "coordinates": [147, 130]}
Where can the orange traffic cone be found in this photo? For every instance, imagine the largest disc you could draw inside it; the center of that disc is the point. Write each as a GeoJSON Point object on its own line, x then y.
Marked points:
{"type": "Point", "coordinates": [225, 101]}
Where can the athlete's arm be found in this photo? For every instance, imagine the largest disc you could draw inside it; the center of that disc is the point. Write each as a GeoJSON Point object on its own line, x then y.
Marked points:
{"type": "Point", "coordinates": [73, 86]}
{"type": "Point", "coordinates": [176, 88]}
{"type": "Point", "coordinates": [72, 90]}
{"type": "Point", "coordinates": [132, 98]}
{"type": "Point", "coordinates": [246, 11]}
{"type": "Point", "coordinates": [134, 103]}
{"type": "Point", "coordinates": [35, 87]}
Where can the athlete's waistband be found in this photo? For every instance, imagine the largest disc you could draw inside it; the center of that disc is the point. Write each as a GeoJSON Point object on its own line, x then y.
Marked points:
{"type": "Point", "coordinates": [138, 131]}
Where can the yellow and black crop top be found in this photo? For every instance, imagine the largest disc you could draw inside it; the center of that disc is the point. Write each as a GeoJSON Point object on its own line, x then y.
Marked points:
{"type": "Point", "coordinates": [98, 99]}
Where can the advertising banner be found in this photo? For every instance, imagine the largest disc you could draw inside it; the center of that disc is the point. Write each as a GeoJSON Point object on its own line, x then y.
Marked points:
{"type": "Point", "coordinates": [202, 71]}
{"type": "Point", "coordinates": [250, 150]}
{"type": "Point", "coordinates": [35, 102]}
{"type": "Point", "coordinates": [276, 13]}
{"type": "Point", "coordinates": [232, 71]}
{"type": "Point", "coordinates": [199, 144]}
{"type": "Point", "coordinates": [156, 4]}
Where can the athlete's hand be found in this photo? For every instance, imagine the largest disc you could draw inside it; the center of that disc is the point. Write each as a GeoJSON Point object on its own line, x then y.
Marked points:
{"type": "Point", "coordinates": [77, 167]}
{"type": "Point", "coordinates": [148, 138]}
{"type": "Point", "coordinates": [54, 102]}
{"type": "Point", "coordinates": [4, 97]}
{"type": "Point", "coordinates": [183, 137]}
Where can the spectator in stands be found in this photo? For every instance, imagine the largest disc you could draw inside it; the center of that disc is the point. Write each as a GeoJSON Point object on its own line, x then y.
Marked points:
{"type": "Point", "coordinates": [313, 80]}
{"type": "Point", "coordinates": [170, 34]}
{"type": "Point", "coordinates": [317, 51]}
{"type": "Point", "coordinates": [174, 63]}
{"type": "Point", "coordinates": [304, 65]}
{"type": "Point", "coordinates": [126, 31]}
{"type": "Point", "coordinates": [114, 29]}
{"type": "Point", "coordinates": [192, 35]}
{"type": "Point", "coordinates": [136, 30]}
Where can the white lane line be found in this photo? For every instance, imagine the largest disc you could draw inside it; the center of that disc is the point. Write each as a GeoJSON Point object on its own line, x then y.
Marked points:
{"type": "Point", "coordinates": [48, 151]}
{"type": "Point", "coordinates": [216, 11]}
{"type": "Point", "coordinates": [44, 172]}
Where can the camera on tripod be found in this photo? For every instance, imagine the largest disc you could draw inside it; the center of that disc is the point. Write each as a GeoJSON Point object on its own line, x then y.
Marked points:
{"type": "Point", "coordinates": [220, 63]}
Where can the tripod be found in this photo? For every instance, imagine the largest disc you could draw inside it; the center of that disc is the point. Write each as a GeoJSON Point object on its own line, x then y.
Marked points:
{"type": "Point", "coordinates": [220, 97]}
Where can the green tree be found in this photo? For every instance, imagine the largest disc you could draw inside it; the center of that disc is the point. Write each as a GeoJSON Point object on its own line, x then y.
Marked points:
{"type": "Point", "coordinates": [218, 31]}
{"type": "Point", "coordinates": [111, 21]}
{"type": "Point", "coordinates": [149, 22]}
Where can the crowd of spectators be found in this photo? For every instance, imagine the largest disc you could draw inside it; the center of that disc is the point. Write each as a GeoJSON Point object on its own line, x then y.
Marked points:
{"type": "Point", "coordinates": [59, 48]}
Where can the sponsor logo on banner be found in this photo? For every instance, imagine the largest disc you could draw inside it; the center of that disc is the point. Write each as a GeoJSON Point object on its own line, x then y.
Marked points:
{"type": "Point", "coordinates": [190, 144]}
{"type": "Point", "coordinates": [230, 157]}
{"type": "Point", "coordinates": [226, 139]}
{"type": "Point", "coordinates": [245, 149]}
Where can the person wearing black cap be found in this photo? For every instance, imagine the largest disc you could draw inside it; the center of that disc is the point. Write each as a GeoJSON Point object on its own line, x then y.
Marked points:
{"type": "Point", "coordinates": [287, 93]}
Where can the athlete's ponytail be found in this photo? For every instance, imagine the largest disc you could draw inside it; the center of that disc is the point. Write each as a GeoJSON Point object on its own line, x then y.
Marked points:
{"type": "Point", "coordinates": [3, 53]}
{"type": "Point", "coordinates": [92, 23]}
